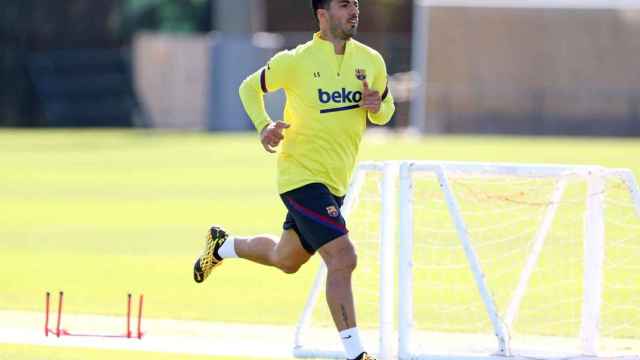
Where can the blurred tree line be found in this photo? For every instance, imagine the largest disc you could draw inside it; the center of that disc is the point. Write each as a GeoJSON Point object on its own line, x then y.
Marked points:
{"type": "Point", "coordinates": [182, 16]}
{"type": "Point", "coordinates": [33, 27]}
{"type": "Point", "coordinates": [29, 27]}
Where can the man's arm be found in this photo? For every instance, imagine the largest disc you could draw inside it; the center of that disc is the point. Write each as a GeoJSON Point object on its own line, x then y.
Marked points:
{"type": "Point", "coordinates": [252, 98]}
{"type": "Point", "coordinates": [270, 78]}
{"type": "Point", "coordinates": [378, 100]}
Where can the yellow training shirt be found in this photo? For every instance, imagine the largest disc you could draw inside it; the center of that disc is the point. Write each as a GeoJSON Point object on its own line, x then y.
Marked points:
{"type": "Point", "coordinates": [322, 109]}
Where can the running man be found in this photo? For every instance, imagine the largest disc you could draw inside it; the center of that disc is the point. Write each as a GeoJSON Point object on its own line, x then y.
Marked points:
{"type": "Point", "coordinates": [333, 84]}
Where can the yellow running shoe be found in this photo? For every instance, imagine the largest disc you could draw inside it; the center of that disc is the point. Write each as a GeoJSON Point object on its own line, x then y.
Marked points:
{"type": "Point", "coordinates": [365, 356]}
{"type": "Point", "coordinates": [209, 258]}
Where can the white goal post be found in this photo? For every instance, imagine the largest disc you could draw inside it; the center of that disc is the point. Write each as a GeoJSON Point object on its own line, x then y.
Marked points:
{"type": "Point", "coordinates": [494, 261]}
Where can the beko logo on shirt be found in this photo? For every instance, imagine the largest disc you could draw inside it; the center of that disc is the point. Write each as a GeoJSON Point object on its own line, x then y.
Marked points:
{"type": "Point", "coordinates": [340, 96]}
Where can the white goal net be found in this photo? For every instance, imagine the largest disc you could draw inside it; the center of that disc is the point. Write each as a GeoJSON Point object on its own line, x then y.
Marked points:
{"type": "Point", "coordinates": [489, 260]}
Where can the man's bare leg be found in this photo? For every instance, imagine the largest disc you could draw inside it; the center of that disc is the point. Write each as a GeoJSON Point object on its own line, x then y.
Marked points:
{"type": "Point", "coordinates": [340, 258]}
{"type": "Point", "coordinates": [287, 254]}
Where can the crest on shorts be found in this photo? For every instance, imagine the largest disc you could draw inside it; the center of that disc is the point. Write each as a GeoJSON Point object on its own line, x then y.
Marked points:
{"type": "Point", "coordinates": [332, 211]}
{"type": "Point", "coordinates": [361, 74]}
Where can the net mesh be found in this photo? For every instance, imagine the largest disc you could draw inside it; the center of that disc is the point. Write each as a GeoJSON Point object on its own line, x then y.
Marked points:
{"type": "Point", "coordinates": [620, 314]}
{"type": "Point", "coordinates": [504, 216]}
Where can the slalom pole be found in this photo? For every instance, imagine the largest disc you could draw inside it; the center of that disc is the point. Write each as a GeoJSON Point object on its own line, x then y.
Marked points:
{"type": "Point", "coordinates": [129, 315]}
{"type": "Point", "coordinates": [46, 316]}
{"type": "Point", "coordinates": [140, 316]}
{"type": "Point", "coordinates": [59, 313]}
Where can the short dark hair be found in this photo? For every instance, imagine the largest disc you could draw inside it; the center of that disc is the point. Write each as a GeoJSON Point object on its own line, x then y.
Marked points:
{"type": "Point", "coordinates": [319, 4]}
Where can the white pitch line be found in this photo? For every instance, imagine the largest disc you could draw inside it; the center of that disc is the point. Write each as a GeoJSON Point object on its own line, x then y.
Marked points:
{"type": "Point", "coordinates": [171, 336]}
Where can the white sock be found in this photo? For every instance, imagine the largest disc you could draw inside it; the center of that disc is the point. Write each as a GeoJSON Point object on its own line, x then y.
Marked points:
{"type": "Point", "coordinates": [228, 249]}
{"type": "Point", "coordinates": [351, 341]}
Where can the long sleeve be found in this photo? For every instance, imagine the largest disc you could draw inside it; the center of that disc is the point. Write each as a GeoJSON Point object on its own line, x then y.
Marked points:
{"type": "Point", "coordinates": [273, 76]}
{"type": "Point", "coordinates": [252, 98]}
{"type": "Point", "coordinates": [387, 107]}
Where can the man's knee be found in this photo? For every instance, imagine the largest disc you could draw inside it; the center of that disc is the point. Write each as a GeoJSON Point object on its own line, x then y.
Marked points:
{"type": "Point", "coordinates": [289, 267]}
{"type": "Point", "coordinates": [289, 255]}
{"type": "Point", "coordinates": [347, 262]}
{"type": "Point", "coordinates": [341, 256]}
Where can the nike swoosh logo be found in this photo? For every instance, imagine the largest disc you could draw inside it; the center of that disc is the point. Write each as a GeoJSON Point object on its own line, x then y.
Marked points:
{"type": "Point", "coordinates": [347, 337]}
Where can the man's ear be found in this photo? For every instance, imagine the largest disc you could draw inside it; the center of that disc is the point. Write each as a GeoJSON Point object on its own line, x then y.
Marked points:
{"type": "Point", "coordinates": [322, 14]}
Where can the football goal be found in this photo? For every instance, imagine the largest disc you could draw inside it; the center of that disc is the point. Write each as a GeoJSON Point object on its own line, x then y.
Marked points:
{"type": "Point", "coordinates": [485, 260]}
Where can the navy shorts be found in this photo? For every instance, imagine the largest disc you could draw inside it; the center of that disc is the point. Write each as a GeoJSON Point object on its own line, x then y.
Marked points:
{"type": "Point", "coordinates": [314, 214]}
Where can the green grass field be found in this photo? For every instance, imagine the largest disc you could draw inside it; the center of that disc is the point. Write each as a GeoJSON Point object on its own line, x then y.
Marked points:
{"type": "Point", "coordinates": [102, 213]}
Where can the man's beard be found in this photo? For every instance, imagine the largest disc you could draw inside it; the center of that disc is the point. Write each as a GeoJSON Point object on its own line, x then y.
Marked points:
{"type": "Point", "coordinates": [342, 33]}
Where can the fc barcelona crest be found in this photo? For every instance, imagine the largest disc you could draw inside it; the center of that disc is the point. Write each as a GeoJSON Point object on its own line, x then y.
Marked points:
{"type": "Point", "coordinates": [332, 211]}
{"type": "Point", "coordinates": [361, 74]}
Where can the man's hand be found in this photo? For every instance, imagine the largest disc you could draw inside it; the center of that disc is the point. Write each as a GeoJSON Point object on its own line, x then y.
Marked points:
{"type": "Point", "coordinates": [370, 99]}
{"type": "Point", "coordinates": [271, 135]}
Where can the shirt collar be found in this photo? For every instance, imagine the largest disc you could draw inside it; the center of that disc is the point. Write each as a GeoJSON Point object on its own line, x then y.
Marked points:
{"type": "Point", "coordinates": [328, 45]}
